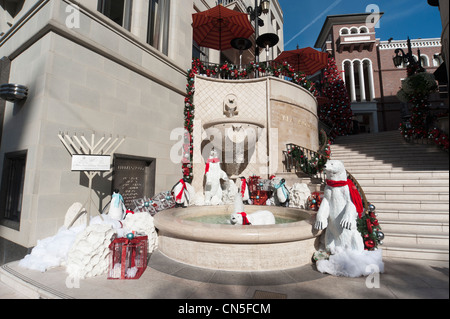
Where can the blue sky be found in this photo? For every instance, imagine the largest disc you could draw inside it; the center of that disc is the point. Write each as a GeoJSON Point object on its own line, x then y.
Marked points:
{"type": "Point", "coordinates": [303, 19]}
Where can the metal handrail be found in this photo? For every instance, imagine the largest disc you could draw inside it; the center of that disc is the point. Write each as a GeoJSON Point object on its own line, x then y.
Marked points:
{"type": "Point", "coordinates": [290, 164]}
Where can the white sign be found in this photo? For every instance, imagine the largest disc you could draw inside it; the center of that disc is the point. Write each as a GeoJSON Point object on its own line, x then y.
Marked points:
{"type": "Point", "coordinates": [362, 38]}
{"type": "Point", "coordinates": [91, 163]}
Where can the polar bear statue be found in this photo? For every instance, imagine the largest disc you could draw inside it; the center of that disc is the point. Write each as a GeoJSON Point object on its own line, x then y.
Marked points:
{"type": "Point", "coordinates": [337, 212]}
{"type": "Point", "coordinates": [213, 173]}
{"type": "Point", "coordinates": [239, 217]}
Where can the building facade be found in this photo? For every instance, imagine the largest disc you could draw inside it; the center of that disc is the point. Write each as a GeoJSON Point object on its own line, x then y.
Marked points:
{"type": "Point", "coordinates": [105, 67]}
{"type": "Point", "coordinates": [371, 78]}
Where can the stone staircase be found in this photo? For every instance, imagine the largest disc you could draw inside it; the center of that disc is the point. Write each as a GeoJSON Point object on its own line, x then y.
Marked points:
{"type": "Point", "coordinates": [409, 186]}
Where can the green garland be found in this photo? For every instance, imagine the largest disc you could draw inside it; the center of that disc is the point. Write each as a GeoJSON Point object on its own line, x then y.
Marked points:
{"type": "Point", "coordinates": [370, 229]}
{"type": "Point", "coordinates": [310, 166]}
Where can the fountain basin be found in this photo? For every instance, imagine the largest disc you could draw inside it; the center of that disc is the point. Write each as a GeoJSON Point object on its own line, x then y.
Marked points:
{"type": "Point", "coordinates": [234, 247]}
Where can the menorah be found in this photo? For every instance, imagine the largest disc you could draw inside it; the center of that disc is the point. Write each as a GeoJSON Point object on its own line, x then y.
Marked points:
{"type": "Point", "coordinates": [91, 158]}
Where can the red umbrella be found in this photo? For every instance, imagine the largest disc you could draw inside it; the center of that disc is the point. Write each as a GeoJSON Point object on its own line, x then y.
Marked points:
{"type": "Point", "coordinates": [216, 27]}
{"type": "Point", "coordinates": [305, 60]}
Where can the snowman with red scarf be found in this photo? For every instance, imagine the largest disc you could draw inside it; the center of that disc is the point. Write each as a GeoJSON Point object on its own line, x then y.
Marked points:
{"type": "Point", "coordinates": [339, 210]}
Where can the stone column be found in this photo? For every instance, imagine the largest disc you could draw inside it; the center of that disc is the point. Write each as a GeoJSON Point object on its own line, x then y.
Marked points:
{"type": "Point", "coordinates": [371, 81]}
{"type": "Point", "coordinates": [352, 83]}
{"type": "Point", "coordinates": [362, 84]}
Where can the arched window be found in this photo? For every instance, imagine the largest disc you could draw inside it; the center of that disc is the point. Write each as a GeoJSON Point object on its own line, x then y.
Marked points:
{"type": "Point", "coordinates": [424, 60]}
{"type": "Point", "coordinates": [354, 30]}
{"type": "Point", "coordinates": [358, 77]}
{"type": "Point", "coordinates": [363, 29]}
{"type": "Point", "coordinates": [344, 31]}
{"type": "Point", "coordinates": [437, 60]}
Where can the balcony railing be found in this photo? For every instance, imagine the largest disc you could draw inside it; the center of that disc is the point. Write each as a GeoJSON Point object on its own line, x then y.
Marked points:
{"type": "Point", "coordinates": [228, 71]}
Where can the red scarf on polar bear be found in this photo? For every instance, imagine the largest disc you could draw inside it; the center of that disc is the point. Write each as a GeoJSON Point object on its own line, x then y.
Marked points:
{"type": "Point", "coordinates": [211, 160]}
{"type": "Point", "coordinates": [354, 194]}
{"type": "Point", "coordinates": [245, 220]}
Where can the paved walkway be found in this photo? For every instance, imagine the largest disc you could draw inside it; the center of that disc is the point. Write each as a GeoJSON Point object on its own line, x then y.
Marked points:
{"type": "Point", "coordinates": [165, 279]}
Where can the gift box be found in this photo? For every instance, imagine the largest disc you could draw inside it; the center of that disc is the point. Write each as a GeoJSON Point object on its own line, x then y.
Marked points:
{"type": "Point", "coordinates": [128, 258]}
{"type": "Point", "coordinates": [260, 190]}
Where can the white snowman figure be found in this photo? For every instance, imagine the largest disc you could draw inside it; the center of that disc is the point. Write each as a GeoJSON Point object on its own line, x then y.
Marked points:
{"type": "Point", "coordinates": [240, 217]}
{"type": "Point", "coordinates": [183, 193]}
{"type": "Point", "coordinates": [282, 193]}
{"type": "Point", "coordinates": [244, 190]}
{"type": "Point", "coordinates": [214, 174]}
{"type": "Point", "coordinates": [337, 212]}
{"type": "Point", "coordinates": [117, 209]}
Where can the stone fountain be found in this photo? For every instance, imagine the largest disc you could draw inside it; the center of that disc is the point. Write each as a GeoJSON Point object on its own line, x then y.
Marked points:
{"type": "Point", "coordinates": [248, 123]}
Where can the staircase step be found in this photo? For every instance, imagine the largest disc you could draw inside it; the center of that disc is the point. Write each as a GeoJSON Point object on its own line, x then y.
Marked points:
{"type": "Point", "coordinates": [406, 181]}
{"type": "Point", "coordinates": [392, 196]}
{"type": "Point", "coordinates": [432, 227]}
{"type": "Point", "coordinates": [412, 204]}
{"type": "Point", "coordinates": [389, 174]}
{"type": "Point", "coordinates": [405, 188]}
{"type": "Point", "coordinates": [385, 152]}
{"type": "Point", "coordinates": [413, 215]}
{"type": "Point", "coordinates": [394, 239]}
{"type": "Point", "coordinates": [431, 252]}
{"type": "Point", "coordinates": [396, 166]}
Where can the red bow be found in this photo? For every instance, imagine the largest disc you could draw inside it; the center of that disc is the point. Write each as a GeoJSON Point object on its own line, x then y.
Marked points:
{"type": "Point", "coordinates": [211, 160]}
{"type": "Point", "coordinates": [354, 194]}
{"type": "Point", "coordinates": [245, 221]}
{"type": "Point", "coordinates": [180, 194]}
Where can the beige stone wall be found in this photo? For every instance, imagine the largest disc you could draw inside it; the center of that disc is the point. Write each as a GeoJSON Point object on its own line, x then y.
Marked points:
{"type": "Point", "coordinates": [294, 113]}
{"type": "Point", "coordinates": [95, 78]}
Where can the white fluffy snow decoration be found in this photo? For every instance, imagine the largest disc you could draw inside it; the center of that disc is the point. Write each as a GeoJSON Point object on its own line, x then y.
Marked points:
{"type": "Point", "coordinates": [88, 256]}
{"type": "Point", "coordinates": [52, 251]}
{"type": "Point", "coordinates": [352, 263]}
{"type": "Point", "coordinates": [84, 250]}
{"type": "Point", "coordinates": [72, 212]}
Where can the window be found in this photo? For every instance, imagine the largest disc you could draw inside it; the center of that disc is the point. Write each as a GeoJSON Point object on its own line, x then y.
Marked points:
{"type": "Point", "coordinates": [344, 31]}
{"type": "Point", "coordinates": [199, 52]}
{"type": "Point", "coordinates": [424, 60]}
{"type": "Point", "coordinates": [437, 59]}
{"type": "Point", "coordinates": [117, 10]}
{"type": "Point", "coordinates": [158, 25]}
{"type": "Point", "coordinates": [363, 30]}
{"type": "Point", "coordinates": [12, 188]}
